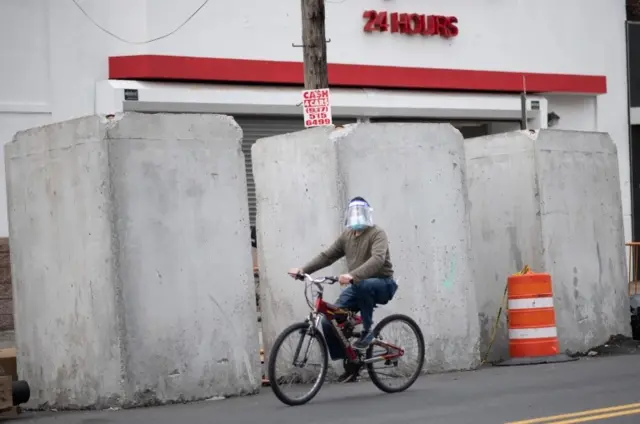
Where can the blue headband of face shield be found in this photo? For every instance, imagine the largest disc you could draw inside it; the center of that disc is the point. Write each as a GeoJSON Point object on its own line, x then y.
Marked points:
{"type": "Point", "coordinates": [358, 215]}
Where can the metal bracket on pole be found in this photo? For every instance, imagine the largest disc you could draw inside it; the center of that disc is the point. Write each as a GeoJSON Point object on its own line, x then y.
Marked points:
{"type": "Point", "coordinates": [307, 45]}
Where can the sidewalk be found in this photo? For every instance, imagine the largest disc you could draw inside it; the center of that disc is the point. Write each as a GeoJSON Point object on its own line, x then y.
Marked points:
{"type": "Point", "coordinates": [491, 395]}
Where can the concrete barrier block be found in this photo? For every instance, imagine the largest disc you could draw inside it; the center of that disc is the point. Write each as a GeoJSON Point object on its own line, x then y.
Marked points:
{"type": "Point", "coordinates": [131, 255]}
{"type": "Point", "coordinates": [505, 225]}
{"type": "Point", "coordinates": [550, 199]}
{"type": "Point", "coordinates": [68, 336]}
{"type": "Point", "coordinates": [413, 175]}
{"type": "Point", "coordinates": [299, 212]}
{"type": "Point", "coordinates": [583, 235]}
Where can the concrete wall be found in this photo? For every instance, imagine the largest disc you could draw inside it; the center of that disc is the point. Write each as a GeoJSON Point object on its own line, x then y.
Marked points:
{"type": "Point", "coordinates": [583, 236]}
{"type": "Point", "coordinates": [415, 182]}
{"type": "Point", "coordinates": [550, 199]}
{"type": "Point", "coordinates": [131, 261]}
{"type": "Point", "coordinates": [299, 213]}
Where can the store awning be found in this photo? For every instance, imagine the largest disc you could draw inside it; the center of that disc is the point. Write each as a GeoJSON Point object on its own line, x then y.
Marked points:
{"type": "Point", "coordinates": [201, 69]}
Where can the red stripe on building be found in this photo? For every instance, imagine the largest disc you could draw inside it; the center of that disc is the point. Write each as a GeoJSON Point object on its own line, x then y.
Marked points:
{"type": "Point", "coordinates": [180, 68]}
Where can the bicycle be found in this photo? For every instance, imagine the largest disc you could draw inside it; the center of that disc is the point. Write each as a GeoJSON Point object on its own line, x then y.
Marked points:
{"type": "Point", "coordinates": [343, 325]}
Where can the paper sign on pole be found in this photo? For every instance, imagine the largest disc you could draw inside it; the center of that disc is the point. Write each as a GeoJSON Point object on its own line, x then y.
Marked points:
{"type": "Point", "coordinates": [317, 107]}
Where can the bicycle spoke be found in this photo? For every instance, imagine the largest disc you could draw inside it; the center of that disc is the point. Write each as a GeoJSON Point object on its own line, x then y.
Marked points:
{"type": "Point", "coordinates": [298, 364]}
{"type": "Point", "coordinates": [396, 362]}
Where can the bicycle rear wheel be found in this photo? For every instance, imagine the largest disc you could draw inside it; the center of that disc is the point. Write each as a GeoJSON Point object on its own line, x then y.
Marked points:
{"type": "Point", "coordinates": [397, 369]}
{"type": "Point", "coordinates": [306, 340]}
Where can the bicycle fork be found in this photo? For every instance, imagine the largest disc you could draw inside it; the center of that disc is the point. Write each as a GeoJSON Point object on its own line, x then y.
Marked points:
{"type": "Point", "coordinates": [310, 331]}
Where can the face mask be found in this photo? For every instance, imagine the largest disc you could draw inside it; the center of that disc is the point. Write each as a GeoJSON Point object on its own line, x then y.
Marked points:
{"type": "Point", "coordinates": [358, 227]}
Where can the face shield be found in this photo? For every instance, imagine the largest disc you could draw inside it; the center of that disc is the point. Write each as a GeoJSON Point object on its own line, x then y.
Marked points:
{"type": "Point", "coordinates": [358, 215]}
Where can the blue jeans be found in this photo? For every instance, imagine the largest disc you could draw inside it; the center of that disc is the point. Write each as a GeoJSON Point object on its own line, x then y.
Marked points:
{"type": "Point", "coordinates": [362, 297]}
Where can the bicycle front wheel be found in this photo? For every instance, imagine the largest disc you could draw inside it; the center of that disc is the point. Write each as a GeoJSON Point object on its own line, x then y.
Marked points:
{"type": "Point", "coordinates": [302, 349]}
{"type": "Point", "coordinates": [388, 371]}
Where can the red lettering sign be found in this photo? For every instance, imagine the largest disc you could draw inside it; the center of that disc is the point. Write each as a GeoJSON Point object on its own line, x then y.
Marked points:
{"type": "Point", "coordinates": [410, 23]}
{"type": "Point", "coordinates": [316, 107]}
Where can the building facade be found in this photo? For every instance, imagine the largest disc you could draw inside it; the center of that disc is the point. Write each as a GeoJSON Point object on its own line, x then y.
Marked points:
{"type": "Point", "coordinates": [464, 62]}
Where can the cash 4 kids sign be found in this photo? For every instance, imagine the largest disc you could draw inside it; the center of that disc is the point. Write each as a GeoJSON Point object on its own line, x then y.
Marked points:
{"type": "Point", "coordinates": [410, 23]}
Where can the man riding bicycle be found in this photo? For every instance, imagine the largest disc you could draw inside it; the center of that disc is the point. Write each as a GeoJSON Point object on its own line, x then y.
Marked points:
{"type": "Point", "coordinates": [370, 277]}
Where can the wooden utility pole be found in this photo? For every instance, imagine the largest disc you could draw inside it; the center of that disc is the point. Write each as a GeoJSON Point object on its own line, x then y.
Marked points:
{"type": "Point", "coordinates": [523, 105]}
{"type": "Point", "coordinates": [314, 45]}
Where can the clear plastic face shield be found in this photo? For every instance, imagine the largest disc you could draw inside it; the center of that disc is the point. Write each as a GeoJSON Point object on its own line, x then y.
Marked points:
{"type": "Point", "coordinates": [358, 216]}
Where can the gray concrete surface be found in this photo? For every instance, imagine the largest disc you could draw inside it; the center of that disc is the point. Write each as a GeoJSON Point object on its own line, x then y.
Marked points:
{"type": "Point", "coordinates": [550, 199]}
{"type": "Point", "coordinates": [67, 336]}
{"type": "Point", "coordinates": [486, 396]}
{"type": "Point", "coordinates": [415, 183]}
{"type": "Point", "coordinates": [131, 259]}
{"type": "Point", "coordinates": [298, 215]}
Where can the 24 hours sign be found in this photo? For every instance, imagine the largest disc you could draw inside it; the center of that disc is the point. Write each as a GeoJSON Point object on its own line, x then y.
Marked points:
{"type": "Point", "coordinates": [317, 107]}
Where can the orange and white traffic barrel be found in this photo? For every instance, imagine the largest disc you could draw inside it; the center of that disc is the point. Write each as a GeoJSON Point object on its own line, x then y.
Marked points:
{"type": "Point", "coordinates": [533, 336]}
{"type": "Point", "coordinates": [532, 320]}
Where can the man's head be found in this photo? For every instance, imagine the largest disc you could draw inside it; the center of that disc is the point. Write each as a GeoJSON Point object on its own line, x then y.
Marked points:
{"type": "Point", "coordinates": [358, 215]}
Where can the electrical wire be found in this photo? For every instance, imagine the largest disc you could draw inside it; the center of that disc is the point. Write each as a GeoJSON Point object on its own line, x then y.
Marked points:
{"type": "Point", "coordinates": [84, 12]}
{"type": "Point", "coordinates": [494, 331]}
{"type": "Point", "coordinates": [503, 306]}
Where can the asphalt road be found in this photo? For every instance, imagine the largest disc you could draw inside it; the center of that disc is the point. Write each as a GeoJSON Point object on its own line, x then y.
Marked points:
{"type": "Point", "coordinates": [488, 396]}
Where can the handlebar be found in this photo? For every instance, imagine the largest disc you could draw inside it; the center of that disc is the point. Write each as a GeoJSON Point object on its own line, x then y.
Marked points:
{"type": "Point", "coordinates": [320, 280]}
{"type": "Point", "coordinates": [317, 282]}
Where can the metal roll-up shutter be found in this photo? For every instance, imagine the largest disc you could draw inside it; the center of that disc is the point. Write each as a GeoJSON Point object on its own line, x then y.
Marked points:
{"type": "Point", "coordinates": [467, 128]}
{"type": "Point", "coordinates": [255, 127]}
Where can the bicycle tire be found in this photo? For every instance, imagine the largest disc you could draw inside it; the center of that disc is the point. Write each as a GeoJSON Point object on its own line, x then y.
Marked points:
{"type": "Point", "coordinates": [376, 331]}
{"type": "Point", "coordinates": [272, 365]}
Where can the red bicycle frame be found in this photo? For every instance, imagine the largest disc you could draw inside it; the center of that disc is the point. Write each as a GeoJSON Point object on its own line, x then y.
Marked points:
{"type": "Point", "coordinates": [331, 312]}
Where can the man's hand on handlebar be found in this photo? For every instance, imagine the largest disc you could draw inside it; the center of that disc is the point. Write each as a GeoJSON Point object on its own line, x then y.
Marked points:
{"type": "Point", "coordinates": [296, 273]}
{"type": "Point", "coordinates": [345, 279]}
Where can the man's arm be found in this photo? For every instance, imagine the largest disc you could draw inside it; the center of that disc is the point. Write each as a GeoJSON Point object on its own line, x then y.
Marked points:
{"type": "Point", "coordinates": [326, 258]}
{"type": "Point", "coordinates": [378, 255]}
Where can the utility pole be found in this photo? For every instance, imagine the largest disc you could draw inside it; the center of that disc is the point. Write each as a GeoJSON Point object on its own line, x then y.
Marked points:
{"type": "Point", "coordinates": [314, 45]}
{"type": "Point", "coordinates": [523, 105]}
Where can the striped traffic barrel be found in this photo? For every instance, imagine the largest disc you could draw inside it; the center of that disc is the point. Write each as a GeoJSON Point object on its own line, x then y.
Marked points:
{"type": "Point", "coordinates": [532, 321]}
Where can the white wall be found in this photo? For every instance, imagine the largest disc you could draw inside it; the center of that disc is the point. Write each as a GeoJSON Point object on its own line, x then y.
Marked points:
{"type": "Point", "coordinates": [574, 112]}
{"type": "Point", "coordinates": [509, 35]}
{"type": "Point", "coordinates": [24, 76]}
{"type": "Point", "coordinates": [79, 51]}
{"type": "Point", "coordinates": [51, 56]}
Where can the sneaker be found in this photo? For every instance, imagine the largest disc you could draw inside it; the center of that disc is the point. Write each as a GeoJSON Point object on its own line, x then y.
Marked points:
{"type": "Point", "coordinates": [348, 377]}
{"type": "Point", "coordinates": [364, 341]}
